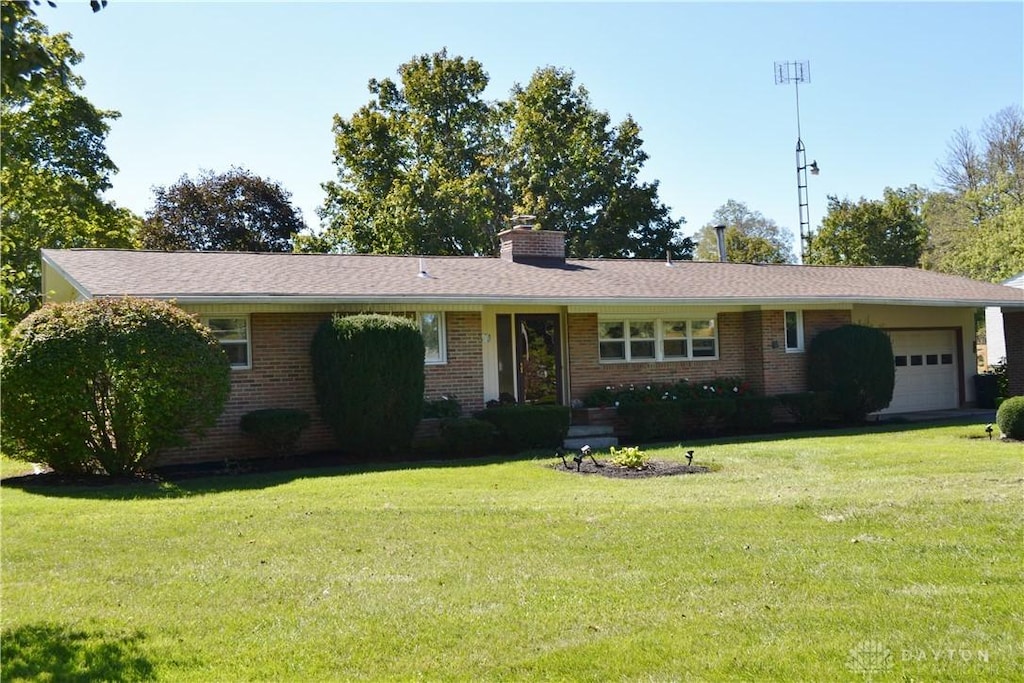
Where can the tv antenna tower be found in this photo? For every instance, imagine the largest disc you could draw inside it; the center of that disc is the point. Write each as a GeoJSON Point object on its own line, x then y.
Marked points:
{"type": "Point", "coordinates": [797, 73]}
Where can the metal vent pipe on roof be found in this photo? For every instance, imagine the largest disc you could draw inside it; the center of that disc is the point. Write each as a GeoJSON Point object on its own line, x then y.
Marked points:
{"type": "Point", "coordinates": [720, 236]}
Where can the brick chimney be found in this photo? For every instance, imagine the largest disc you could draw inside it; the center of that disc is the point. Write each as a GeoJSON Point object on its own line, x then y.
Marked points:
{"type": "Point", "coordinates": [524, 244]}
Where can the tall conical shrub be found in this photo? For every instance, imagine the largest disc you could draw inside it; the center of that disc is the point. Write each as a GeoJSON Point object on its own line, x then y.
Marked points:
{"type": "Point", "coordinates": [854, 363]}
{"type": "Point", "coordinates": [368, 375]}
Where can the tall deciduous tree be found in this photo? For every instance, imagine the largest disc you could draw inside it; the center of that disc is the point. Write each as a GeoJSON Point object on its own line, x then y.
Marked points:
{"type": "Point", "coordinates": [579, 174]}
{"type": "Point", "coordinates": [232, 211]}
{"type": "Point", "coordinates": [749, 237]}
{"type": "Point", "coordinates": [53, 161]}
{"type": "Point", "coordinates": [429, 166]}
{"type": "Point", "coordinates": [418, 166]}
{"type": "Point", "coordinates": [871, 232]}
{"type": "Point", "coordinates": [976, 222]}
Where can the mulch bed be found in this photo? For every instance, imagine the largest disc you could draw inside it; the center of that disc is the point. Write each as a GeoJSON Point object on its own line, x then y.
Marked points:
{"type": "Point", "coordinates": [654, 468]}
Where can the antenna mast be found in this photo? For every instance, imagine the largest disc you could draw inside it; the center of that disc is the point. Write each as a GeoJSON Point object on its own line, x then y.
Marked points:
{"type": "Point", "coordinates": [797, 73]}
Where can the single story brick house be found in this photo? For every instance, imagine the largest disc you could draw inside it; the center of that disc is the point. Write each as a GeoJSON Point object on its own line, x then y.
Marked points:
{"type": "Point", "coordinates": [534, 325]}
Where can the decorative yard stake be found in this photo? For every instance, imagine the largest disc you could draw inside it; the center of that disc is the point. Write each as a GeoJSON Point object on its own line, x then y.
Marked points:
{"type": "Point", "coordinates": [689, 458]}
{"type": "Point", "coordinates": [988, 430]}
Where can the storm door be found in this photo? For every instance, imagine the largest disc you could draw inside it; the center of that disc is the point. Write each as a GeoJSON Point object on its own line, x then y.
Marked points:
{"type": "Point", "coordinates": [538, 342]}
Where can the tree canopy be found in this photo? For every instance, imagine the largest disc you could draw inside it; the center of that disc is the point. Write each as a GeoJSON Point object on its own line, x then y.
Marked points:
{"type": "Point", "coordinates": [429, 166]}
{"type": "Point", "coordinates": [871, 232]}
{"type": "Point", "coordinates": [579, 174]}
{"type": "Point", "coordinates": [53, 161]}
{"type": "Point", "coordinates": [749, 237]}
{"type": "Point", "coordinates": [976, 221]}
{"type": "Point", "coordinates": [232, 211]}
{"type": "Point", "coordinates": [418, 166]}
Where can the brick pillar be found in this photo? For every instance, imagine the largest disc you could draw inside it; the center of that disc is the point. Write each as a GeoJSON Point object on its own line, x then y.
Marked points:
{"type": "Point", "coordinates": [1013, 331]}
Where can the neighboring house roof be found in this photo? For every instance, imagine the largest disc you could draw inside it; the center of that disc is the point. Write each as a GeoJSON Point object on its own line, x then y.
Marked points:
{"type": "Point", "coordinates": [1015, 281]}
{"type": "Point", "coordinates": [215, 277]}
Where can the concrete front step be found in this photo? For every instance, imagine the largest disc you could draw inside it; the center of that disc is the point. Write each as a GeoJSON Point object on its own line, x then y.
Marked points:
{"type": "Point", "coordinates": [574, 443]}
{"type": "Point", "coordinates": [590, 430]}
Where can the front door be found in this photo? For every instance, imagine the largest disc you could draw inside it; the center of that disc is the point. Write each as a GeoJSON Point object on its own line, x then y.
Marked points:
{"type": "Point", "coordinates": [538, 343]}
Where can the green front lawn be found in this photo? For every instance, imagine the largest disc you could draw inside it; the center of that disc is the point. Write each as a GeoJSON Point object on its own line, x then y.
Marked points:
{"type": "Point", "coordinates": [893, 554]}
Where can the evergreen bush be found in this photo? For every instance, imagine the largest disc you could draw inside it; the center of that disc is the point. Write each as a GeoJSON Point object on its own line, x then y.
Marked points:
{"type": "Point", "coordinates": [855, 364]}
{"type": "Point", "coordinates": [277, 428]}
{"type": "Point", "coordinates": [1010, 418]}
{"type": "Point", "coordinates": [444, 407]}
{"type": "Point", "coordinates": [368, 376]}
{"type": "Point", "coordinates": [467, 436]}
{"type": "Point", "coordinates": [754, 414]}
{"type": "Point", "coordinates": [102, 385]}
{"type": "Point", "coordinates": [807, 408]}
{"type": "Point", "coordinates": [529, 426]}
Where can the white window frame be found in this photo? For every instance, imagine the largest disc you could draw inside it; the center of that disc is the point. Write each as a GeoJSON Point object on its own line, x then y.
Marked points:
{"type": "Point", "coordinates": [799, 348]}
{"type": "Point", "coordinates": [442, 337]}
{"type": "Point", "coordinates": [235, 342]}
{"type": "Point", "coordinates": [659, 337]}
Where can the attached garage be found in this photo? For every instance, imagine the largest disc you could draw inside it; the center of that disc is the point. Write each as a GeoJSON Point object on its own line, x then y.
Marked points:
{"type": "Point", "coordinates": [927, 369]}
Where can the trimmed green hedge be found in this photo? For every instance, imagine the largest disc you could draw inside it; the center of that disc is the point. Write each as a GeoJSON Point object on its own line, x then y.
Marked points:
{"type": "Point", "coordinates": [368, 375]}
{"type": "Point", "coordinates": [808, 408]}
{"type": "Point", "coordinates": [276, 428]}
{"type": "Point", "coordinates": [529, 426]}
{"type": "Point", "coordinates": [677, 419]}
{"type": "Point", "coordinates": [465, 436]}
{"type": "Point", "coordinates": [754, 414]}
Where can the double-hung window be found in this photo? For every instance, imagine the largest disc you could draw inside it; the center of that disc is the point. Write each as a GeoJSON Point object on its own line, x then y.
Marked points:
{"type": "Point", "coordinates": [656, 339]}
{"type": "Point", "coordinates": [233, 334]}
{"type": "Point", "coordinates": [432, 328]}
{"type": "Point", "coordinates": [794, 331]}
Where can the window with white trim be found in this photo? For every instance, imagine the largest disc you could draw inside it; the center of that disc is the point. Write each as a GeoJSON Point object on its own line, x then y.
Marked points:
{"type": "Point", "coordinates": [433, 329]}
{"type": "Point", "coordinates": [232, 331]}
{"type": "Point", "coordinates": [794, 331]}
{"type": "Point", "coordinates": [656, 339]}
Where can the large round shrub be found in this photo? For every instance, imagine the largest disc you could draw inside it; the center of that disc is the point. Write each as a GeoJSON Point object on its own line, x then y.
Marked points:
{"type": "Point", "coordinates": [854, 363]}
{"type": "Point", "coordinates": [1010, 418]}
{"type": "Point", "coordinates": [368, 375]}
{"type": "Point", "coordinates": [101, 385]}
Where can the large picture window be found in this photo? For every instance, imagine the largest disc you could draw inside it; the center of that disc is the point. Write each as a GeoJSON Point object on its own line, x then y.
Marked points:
{"type": "Point", "coordinates": [656, 339]}
{"type": "Point", "coordinates": [233, 334]}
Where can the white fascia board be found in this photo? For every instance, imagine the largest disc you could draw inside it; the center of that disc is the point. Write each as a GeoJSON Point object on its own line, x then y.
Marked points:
{"type": "Point", "coordinates": [562, 301]}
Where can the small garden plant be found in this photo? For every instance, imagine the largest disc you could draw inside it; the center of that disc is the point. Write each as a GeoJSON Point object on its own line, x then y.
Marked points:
{"type": "Point", "coordinates": [630, 457]}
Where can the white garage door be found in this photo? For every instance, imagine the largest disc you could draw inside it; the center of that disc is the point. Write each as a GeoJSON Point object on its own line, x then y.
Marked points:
{"type": "Point", "coordinates": [926, 371]}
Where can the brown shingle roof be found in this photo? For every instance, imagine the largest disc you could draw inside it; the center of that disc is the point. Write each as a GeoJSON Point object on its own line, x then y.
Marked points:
{"type": "Point", "coordinates": [229, 276]}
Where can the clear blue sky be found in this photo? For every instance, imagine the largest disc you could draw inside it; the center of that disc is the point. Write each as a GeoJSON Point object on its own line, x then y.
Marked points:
{"type": "Point", "coordinates": [208, 86]}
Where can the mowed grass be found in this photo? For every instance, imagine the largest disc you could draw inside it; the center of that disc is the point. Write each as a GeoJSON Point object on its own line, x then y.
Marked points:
{"type": "Point", "coordinates": [890, 554]}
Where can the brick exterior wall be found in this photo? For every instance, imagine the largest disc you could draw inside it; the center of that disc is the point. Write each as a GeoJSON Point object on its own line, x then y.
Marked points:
{"type": "Point", "coordinates": [751, 346]}
{"type": "Point", "coordinates": [784, 372]}
{"type": "Point", "coordinates": [1013, 333]}
{"type": "Point", "coordinates": [282, 377]}
{"type": "Point", "coordinates": [462, 377]}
